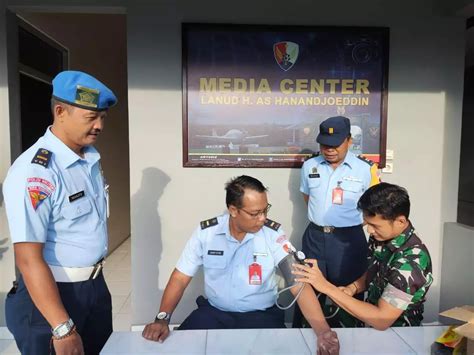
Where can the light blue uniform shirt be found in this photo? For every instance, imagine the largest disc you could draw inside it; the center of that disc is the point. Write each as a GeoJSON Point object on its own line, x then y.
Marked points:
{"type": "Point", "coordinates": [226, 263]}
{"type": "Point", "coordinates": [63, 205]}
{"type": "Point", "coordinates": [318, 180]}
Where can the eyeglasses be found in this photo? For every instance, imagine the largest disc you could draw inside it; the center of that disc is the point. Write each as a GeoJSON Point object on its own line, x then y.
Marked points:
{"type": "Point", "coordinates": [257, 214]}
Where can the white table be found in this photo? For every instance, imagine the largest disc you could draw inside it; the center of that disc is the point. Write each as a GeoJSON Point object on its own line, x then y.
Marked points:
{"type": "Point", "coordinates": [414, 340]}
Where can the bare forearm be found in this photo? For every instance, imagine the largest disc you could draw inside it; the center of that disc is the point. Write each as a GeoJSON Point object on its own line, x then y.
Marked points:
{"type": "Point", "coordinates": [360, 283]}
{"type": "Point", "coordinates": [43, 290]}
{"type": "Point", "coordinates": [364, 311]}
{"type": "Point", "coordinates": [173, 292]}
{"type": "Point", "coordinates": [311, 309]}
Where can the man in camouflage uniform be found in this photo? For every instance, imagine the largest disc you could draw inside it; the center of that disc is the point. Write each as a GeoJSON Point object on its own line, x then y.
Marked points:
{"type": "Point", "coordinates": [399, 273]}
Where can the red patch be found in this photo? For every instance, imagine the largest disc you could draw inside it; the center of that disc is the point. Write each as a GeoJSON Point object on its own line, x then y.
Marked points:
{"type": "Point", "coordinates": [39, 190]}
{"type": "Point", "coordinates": [37, 195]}
{"type": "Point", "coordinates": [281, 239]}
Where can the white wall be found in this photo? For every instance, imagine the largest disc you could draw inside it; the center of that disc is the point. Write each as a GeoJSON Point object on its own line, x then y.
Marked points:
{"type": "Point", "coordinates": [424, 122]}
{"type": "Point", "coordinates": [167, 201]}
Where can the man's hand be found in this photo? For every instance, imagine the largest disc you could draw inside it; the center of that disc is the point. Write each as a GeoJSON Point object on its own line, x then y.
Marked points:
{"type": "Point", "coordinates": [157, 331]}
{"type": "Point", "coordinates": [71, 345]}
{"type": "Point", "coordinates": [311, 275]}
{"type": "Point", "coordinates": [328, 343]}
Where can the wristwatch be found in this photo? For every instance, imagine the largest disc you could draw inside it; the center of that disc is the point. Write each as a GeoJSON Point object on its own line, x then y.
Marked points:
{"type": "Point", "coordinates": [63, 329]}
{"type": "Point", "coordinates": [163, 316]}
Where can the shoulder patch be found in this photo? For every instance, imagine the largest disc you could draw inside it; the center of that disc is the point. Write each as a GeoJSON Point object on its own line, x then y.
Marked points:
{"type": "Point", "coordinates": [209, 223]}
{"type": "Point", "coordinates": [42, 157]}
{"type": "Point", "coordinates": [272, 224]}
{"type": "Point", "coordinates": [364, 159]}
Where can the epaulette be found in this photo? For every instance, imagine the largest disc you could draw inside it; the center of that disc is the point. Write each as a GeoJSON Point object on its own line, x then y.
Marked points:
{"type": "Point", "coordinates": [272, 224]}
{"type": "Point", "coordinates": [209, 223]}
{"type": "Point", "coordinates": [314, 155]}
{"type": "Point", "coordinates": [368, 161]}
{"type": "Point", "coordinates": [42, 157]}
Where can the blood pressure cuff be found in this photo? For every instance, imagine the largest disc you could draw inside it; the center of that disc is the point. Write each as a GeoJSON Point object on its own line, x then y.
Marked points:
{"type": "Point", "coordinates": [285, 266]}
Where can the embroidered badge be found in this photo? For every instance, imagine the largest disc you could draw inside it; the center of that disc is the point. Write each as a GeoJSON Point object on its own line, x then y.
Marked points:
{"type": "Point", "coordinates": [215, 252]}
{"type": "Point", "coordinates": [39, 190]}
{"type": "Point", "coordinates": [86, 96]}
{"type": "Point", "coordinates": [272, 224]}
{"type": "Point", "coordinates": [209, 223]}
{"type": "Point", "coordinates": [37, 195]}
{"type": "Point", "coordinates": [42, 157]}
{"type": "Point", "coordinates": [281, 239]}
{"type": "Point", "coordinates": [76, 196]}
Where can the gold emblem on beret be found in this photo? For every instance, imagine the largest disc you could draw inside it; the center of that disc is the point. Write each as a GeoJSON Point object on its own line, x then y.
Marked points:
{"type": "Point", "coordinates": [331, 130]}
{"type": "Point", "coordinates": [86, 96]}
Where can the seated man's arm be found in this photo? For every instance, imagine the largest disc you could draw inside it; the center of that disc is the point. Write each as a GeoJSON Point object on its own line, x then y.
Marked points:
{"type": "Point", "coordinates": [159, 330]}
{"type": "Point", "coordinates": [327, 339]}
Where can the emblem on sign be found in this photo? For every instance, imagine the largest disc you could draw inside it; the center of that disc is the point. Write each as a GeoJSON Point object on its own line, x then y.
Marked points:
{"type": "Point", "coordinates": [286, 54]}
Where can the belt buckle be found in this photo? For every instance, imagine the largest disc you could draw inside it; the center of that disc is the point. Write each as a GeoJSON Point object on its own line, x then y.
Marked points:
{"type": "Point", "coordinates": [97, 268]}
{"type": "Point", "coordinates": [328, 229]}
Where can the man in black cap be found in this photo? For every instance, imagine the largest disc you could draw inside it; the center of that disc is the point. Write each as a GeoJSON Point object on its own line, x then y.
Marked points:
{"type": "Point", "coordinates": [56, 203]}
{"type": "Point", "coordinates": [332, 183]}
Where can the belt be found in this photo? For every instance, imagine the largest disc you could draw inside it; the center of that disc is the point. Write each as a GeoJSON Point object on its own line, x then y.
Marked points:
{"type": "Point", "coordinates": [76, 274]}
{"type": "Point", "coordinates": [331, 229]}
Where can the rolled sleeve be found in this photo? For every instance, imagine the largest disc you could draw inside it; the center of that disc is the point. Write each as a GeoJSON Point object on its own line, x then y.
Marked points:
{"type": "Point", "coordinates": [191, 257]}
{"type": "Point", "coordinates": [396, 297]}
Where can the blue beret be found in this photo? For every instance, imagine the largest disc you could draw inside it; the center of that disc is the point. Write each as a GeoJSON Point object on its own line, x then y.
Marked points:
{"type": "Point", "coordinates": [333, 131]}
{"type": "Point", "coordinates": [82, 90]}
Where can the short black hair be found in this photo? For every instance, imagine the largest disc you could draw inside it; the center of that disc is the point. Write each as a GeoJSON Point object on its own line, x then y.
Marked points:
{"type": "Point", "coordinates": [55, 102]}
{"type": "Point", "coordinates": [235, 189]}
{"type": "Point", "coordinates": [387, 200]}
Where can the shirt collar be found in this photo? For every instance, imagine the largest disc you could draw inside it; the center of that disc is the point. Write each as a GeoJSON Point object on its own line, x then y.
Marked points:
{"type": "Point", "coordinates": [224, 228]}
{"type": "Point", "coordinates": [65, 156]}
{"type": "Point", "coordinates": [348, 160]}
{"type": "Point", "coordinates": [401, 239]}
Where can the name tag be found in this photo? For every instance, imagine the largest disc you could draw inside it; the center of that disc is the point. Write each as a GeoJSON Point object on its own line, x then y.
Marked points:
{"type": "Point", "coordinates": [215, 252]}
{"type": "Point", "coordinates": [76, 196]}
{"type": "Point", "coordinates": [351, 178]}
{"type": "Point", "coordinates": [312, 176]}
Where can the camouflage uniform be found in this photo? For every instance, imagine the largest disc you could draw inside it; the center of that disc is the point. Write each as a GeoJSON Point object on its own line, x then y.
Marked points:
{"type": "Point", "coordinates": [400, 273]}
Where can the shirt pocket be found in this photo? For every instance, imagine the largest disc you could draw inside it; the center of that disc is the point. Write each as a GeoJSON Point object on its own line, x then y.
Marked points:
{"type": "Point", "coordinates": [214, 261]}
{"type": "Point", "coordinates": [352, 186]}
{"type": "Point", "coordinates": [314, 183]}
{"type": "Point", "coordinates": [77, 210]}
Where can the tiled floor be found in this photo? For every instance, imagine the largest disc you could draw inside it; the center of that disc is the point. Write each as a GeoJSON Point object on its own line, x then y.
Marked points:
{"type": "Point", "coordinates": [117, 272]}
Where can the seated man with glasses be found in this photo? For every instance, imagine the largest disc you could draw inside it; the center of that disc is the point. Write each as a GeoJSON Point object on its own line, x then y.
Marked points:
{"type": "Point", "coordinates": [239, 252]}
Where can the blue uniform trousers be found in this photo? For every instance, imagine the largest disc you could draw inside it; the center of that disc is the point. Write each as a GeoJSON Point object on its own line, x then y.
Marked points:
{"type": "Point", "coordinates": [88, 303]}
{"type": "Point", "coordinates": [341, 255]}
{"type": "Point", "coordinates": [208, 317]}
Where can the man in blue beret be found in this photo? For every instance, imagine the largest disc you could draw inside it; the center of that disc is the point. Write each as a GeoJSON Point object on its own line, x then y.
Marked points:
{"type": "Point", "coordinates": [331, 183]}
{"type": "Point", "coordinates": [56, 202]}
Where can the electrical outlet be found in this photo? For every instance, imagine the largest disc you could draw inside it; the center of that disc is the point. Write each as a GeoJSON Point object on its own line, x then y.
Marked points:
{"type": "Point", "coordinates": [389, 154]}
{"type": "Point", "coordinates": [388, 168]}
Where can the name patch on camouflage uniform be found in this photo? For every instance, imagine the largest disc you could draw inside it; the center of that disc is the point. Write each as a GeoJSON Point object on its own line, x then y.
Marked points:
{"type": "Point", "coordinates": [209, 223]}
{"type": "Point", "coordinates": [42, 157]}
{"type": "Point", "coordinates": [272, 224]}
{"type": "Point", "coordinates": [86, 96]}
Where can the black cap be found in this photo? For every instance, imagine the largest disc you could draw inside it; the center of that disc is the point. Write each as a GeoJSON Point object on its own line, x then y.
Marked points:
{"type": "Point", "coordinates": [333, 131]}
